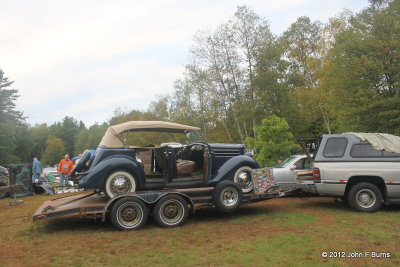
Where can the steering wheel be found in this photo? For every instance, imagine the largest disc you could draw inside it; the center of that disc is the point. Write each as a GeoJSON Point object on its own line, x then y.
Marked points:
{"type": "Point", "coordinates": [81, 163]}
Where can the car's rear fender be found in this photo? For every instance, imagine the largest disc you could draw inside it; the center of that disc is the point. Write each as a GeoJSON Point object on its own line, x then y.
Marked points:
{"type": "Point", "coordinates": [227, 171]}
{"type": "Point", "coordinates": [94, 178]}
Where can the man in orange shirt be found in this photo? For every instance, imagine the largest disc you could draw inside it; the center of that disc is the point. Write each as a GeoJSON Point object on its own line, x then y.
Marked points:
{"type": "Point", "coordinates": [64, 168]}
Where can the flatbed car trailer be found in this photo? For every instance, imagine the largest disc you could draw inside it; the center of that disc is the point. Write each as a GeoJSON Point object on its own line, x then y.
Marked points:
{"type": "Point", "coordinates": [170, 207]}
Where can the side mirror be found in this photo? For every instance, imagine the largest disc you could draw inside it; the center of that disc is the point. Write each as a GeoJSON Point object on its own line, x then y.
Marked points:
{"type": "Point", "coordinates": [292, 168]}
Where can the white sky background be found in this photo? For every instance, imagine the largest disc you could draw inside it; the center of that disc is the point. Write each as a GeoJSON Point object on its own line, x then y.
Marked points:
{"type": "Point", "coordinates": [86, 58]}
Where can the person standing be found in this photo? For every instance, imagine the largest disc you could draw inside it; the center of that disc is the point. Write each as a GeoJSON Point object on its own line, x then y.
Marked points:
{"type": "Point", "coordinates": [64, 168]}
{"type": "Point", "coordinates": [36, 171]}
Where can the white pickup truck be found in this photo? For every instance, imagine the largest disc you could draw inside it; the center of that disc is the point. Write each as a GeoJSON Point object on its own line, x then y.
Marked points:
{"type": "Point", "coordinates": [362, 169]}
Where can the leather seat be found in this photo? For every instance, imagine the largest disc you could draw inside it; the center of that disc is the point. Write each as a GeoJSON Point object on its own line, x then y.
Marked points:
{"type": "Point", "coordinates": [185, 167]}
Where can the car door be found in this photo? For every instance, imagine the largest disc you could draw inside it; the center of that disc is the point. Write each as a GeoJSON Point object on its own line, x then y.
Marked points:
{"type": "Point", "coordinates": [290, 176]}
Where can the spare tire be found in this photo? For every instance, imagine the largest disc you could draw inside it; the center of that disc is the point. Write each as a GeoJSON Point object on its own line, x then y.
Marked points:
{"type": "Point", "coordinates": [81, 163]}
{"type": "Point", "coordinates": [227, 196]}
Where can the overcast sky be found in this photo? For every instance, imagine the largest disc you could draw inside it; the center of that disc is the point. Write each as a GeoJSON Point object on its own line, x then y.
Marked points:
{"type": "Point", "coordinates": [86, 58]}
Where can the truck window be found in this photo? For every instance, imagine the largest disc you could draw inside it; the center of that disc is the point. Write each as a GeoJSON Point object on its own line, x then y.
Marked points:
{"type": "Point", "coordinates": [364, 151]}
{"type": "Point", "coordinates": [335, 147]}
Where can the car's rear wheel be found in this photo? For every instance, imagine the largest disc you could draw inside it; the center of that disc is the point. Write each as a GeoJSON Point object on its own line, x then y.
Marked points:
{"type": "Point", "coordinates": [171, 211]}
{"type": "Point", "coordinates": [365, 197]}
{"type": "Point", "coordinates": [243, 177]}
{"type": "Point", "coordinates": [118, 183]}
{"type": "Point", "coordinates": [227, 196]}
{"type": "Point", "coordinates": [129, 213]}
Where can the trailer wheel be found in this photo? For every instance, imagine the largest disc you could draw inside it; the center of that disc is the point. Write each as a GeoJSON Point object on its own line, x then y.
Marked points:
{"type": "Point", "coordinates": [227, 196]}
{"type": "Point", "coordinates": [365, 197]}
{"type": "Point", "coordinates": [119, 182]}
{"type": "Point", "coordinates": [128, 213]}
{"type": "Point", "coordinates": [171, 211]}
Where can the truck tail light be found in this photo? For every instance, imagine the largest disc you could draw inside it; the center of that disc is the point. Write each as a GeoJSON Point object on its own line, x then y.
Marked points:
{"type": "Point", "coordinates": [316, 174]}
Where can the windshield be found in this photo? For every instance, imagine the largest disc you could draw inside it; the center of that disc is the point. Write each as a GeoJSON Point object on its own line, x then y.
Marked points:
{"type": "Point", "coordinates": [195, 137]}
{"type": "Point", "coordinates": [285, 162]}
{"type": "Point", "coordinates": [150, 138]}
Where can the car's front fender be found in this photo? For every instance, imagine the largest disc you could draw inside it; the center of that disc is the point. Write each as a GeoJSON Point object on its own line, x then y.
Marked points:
{"type": "Point", "coordinates": [227, 171]}
{"type": "Point", "coordinates": [95, 177]}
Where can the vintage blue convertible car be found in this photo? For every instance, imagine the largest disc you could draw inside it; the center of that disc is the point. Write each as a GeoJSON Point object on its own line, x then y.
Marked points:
{"type": "Point", "coordinates": [183, 160]}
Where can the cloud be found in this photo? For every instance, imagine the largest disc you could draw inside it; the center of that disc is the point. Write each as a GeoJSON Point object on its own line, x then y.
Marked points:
{"type": "Point", "coordinates": [86, 58]}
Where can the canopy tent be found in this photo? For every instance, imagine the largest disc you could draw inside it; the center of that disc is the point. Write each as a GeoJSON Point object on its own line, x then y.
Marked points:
{"type": "Point", "coordinates": [381, 141]}
{"type": "Point", "coordinates": [112, 136]}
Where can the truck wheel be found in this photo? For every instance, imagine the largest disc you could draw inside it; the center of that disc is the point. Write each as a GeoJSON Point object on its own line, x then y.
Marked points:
{"type": "Point", "coordinates": [365, 197]}
{"type": "Point", "coordinates": [227, 196]}
{"type": "Point", "coordinates": [128, 213]}
{"type": "Point", "coordinates": [243, 177]}
{"type": "Point", "coordinates": [171, 211]}
{"type": "Point", "coordinates": [119, 182]}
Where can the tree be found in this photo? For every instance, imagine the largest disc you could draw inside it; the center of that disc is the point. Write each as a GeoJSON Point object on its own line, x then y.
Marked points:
{"type": "Point", "coordinates": [218, 91]}
{"type": "Point", "coordinates": [39, 134]}
{"type": "Point", "coordinates": [10, 120]}
{"type": "Point", "coordinates": [274, 141]}
{"type": "Point", "coordinates": [364, 71]}
{"type": "Point", "coordinates": [81, 141]}
{"type": "Point", "coordinates": [55, 150]}
{"type": "Point", "coordinates": [70, 128]}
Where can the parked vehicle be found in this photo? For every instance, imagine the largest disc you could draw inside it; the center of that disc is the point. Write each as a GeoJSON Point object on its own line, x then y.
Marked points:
{"type": "Point", "coordinates": [164, 155]}
{"type": "Point", "coordinates": [285, 172]}
{"type": "Point", "coordinates": [3, 172]}
{"type": "Point", "coordinates": [50, 173]}
{"type": "Point", "coordinates": [362, 169]}
{"type": "Point", "coordinates": [4, 181]}
{"type": "Point", "coordinates": [169, 207]}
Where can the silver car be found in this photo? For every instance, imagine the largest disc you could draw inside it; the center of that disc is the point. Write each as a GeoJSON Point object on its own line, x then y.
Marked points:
{"type": "Point", "coordinates": [285, 172]}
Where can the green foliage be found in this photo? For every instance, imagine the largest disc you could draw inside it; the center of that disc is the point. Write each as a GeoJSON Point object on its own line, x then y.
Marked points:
{"type": "Point", "coordinates": [364, 71]}
{"type": "Point", "coordinates": [11, 122]}
{"type": "Point", "coordinates": [274, 141]}
{"type": "Point", "coordinates": [55, 150]}
{"type": "Point", "coordinates": [89, 138]}
{"type": "Point", "coordinates": [39, 135]}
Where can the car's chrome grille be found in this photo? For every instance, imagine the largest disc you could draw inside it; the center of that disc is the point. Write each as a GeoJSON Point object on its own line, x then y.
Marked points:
{"type": "Point", "coordinates": [226, 153]}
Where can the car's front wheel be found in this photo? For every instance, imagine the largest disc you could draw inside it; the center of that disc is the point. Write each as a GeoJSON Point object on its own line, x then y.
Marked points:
{"type": "Point", "coordinates": [243, 177]}
{"type": "Point", "coordinates": [118, 183]}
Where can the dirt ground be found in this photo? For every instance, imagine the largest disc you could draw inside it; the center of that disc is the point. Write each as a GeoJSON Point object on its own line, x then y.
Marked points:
{"type": "Point", "coordinates": [279, 232]}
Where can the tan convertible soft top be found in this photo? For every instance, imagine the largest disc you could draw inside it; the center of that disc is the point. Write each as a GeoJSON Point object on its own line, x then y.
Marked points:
{"type": "Point", "coordinates": [111, 137]}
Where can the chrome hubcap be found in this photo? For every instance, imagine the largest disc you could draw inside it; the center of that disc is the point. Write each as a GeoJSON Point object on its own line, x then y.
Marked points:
{"type": "Point", "coordinates": [229, 196]}
{"type": "Point", "coordinates": [120, 184]}
{"type": "Point", "coordinates": [365, 198]}
{"type": "Point", "coordinates": [244, 179]}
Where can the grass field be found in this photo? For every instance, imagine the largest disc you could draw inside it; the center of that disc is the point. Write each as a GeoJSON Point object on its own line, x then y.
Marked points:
{"type": "Point", "coordinates": [279, 232]}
